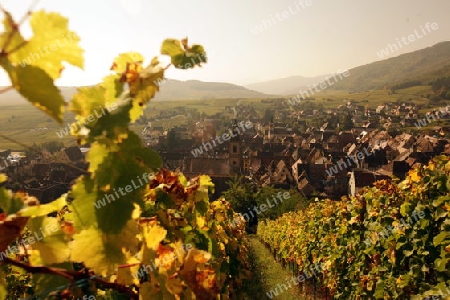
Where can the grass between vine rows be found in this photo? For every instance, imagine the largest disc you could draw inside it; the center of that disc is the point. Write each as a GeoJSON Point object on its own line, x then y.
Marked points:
{"type": "Point", "coordinates": [267, 274]}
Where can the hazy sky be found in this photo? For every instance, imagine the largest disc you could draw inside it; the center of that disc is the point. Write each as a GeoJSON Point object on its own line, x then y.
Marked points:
{"type": "Point", "coordinates": [321, 37]}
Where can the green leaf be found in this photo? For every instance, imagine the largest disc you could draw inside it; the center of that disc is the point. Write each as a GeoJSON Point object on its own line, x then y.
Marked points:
{"type": "Point", "coordinates": [441, 264]}
{"type": "Point", "coordinates": [183, 57]}
{"type": "Point", "coordinates": [103, 252]}
{"type": "Point", "coordinates": [441, 199]}
{"type": "Point", "coordinates": [121, 61]}
{"type": "Point", "coordinates": [150, 158]}
{"type": "Point", "coordinates": [3, 291]}
{"type": "Point", "coordinates": [113, 217]}
{"type": "Point", "coordinates": [113, 88]}
{"type": "Point", "coordinates": [437, 240]}
{"type": "Point", "coordinates": [43, 209]}
{"type": "Point", "coordinates": [172, 47]}
{"type": "Point", "coordinates": [37, 87]}
{"type": "Point", "coordinates": [9, 203]}
{"type": "Point", "coordinates": [89, 101]}
{"type": "Point", "coordinates": [145, 88]}
{"type": "Point", "coordinates": [85, 194]}
{"type": "Point", "coordinates": [44, 283]}
{"type": "Point", "coordinates": [49, 240]}
{"type": "Point", "coordinates": [51, 44]}
{"type": "Point", "coordinates": [405, 208]}
{"type": "Point", "coordinates": [96, 156]}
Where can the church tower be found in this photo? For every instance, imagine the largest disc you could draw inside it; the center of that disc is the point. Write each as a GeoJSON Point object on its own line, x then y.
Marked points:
{"type": "Point", "coordinates": [235, 147]}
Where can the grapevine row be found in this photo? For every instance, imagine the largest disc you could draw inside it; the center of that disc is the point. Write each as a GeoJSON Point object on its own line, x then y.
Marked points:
{"type": "Point", "coordinates": [392, 241]}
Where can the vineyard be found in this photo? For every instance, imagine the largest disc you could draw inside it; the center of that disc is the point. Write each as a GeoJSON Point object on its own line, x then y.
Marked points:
{"type": "Point", "coordinates": [129, 229]}
{"type": "Point", "coordinates": [390, 242]}
{"type": "Point", "coordinates": [161, 239]}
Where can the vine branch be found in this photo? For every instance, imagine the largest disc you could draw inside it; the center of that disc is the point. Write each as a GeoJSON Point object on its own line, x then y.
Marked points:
{"type": "Point", "coordinates": [71, 276]}
{"type": "Point", "coordinates": [15, 27]}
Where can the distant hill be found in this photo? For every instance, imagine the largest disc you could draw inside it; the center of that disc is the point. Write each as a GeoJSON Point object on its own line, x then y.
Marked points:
{"type": "Point", "coordinates": [195, 89]}
{"type": "Point", "coordinates": [423, 65]}
{"type": "Point", "coordinates": [283, 86]}
{"type": "Point", "coordinates": [169, 90]}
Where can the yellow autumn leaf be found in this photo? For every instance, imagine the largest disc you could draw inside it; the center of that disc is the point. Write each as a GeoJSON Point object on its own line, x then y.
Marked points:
{"type": "Point", "coordinates": [446, 207]}
{"type": "Point", "coordinates": [414, 176]}
{"type": "Point", "coordinates": [201, 221]}
{"type": "Point", "coordinates": [3, 178]}
{"type": "Point", "coordinates": [153, 235]}
{"type": "Point", "coordinates": [431, 166]}
{"type": "Point", "coordinates": [392, 256]}
{"type": "Point", "coordinates": [175, 286]}
{"type": "Point", "coordinates": [125, 272]}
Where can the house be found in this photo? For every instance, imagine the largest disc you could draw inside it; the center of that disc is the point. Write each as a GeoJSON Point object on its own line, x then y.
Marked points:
{"type": "Point", "coordinates": [5, 153]}
{"type": "Point", "coordinates": [47, 194]}
{"type": "Point", "coordinates": [359, 178]}
{"type": "Point", "coordinates": [219, 169]}
{"type": "Point", "coordinates": [72, 154]}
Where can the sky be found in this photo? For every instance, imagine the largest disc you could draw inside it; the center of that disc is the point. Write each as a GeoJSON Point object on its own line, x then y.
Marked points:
{"type": "Point", "coordinates": [311, 37]}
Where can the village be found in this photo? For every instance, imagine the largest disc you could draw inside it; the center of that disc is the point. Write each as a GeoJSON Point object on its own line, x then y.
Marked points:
{"type": "Point", "coordinates": [324, 153]}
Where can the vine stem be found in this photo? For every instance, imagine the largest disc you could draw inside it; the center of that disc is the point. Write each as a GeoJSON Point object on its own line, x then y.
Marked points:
{"type": "Point", "coordinates": [71, 276]}
{"type": "Point", "coordinates": [15, 27]}
{"type": "Point", "coordinates": [43, 270]}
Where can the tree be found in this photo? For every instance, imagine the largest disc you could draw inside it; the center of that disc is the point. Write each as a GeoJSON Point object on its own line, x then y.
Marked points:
{"type": "Point", "coordinates": [172, 139]}
{"type": "Point", "coordinates": [241, 197]}
{"type": "Point", "coordinates": [347, 123]}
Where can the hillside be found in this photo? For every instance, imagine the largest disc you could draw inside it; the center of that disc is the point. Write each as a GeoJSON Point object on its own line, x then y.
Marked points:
{"type": "Point", "coordinates": [424, 65]}
{"type": "Point", "coordinates": [195, 89]}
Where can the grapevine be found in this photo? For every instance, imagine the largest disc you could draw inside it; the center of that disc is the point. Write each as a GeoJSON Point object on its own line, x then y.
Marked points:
{"type": "Point", "coordinates": [163, 238]}
{"type": "Point", "coordinates": [390, 242]}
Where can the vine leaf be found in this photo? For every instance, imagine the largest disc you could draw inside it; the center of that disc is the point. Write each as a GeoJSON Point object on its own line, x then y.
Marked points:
{"type": "Point", "coordinates": [50, 240]}
{"type": "Point", "coordinates": [183, 56]}
{"type": "Point", "coordinates": [83, 210]}
{"type": "Point", "coordinates": [143, 83]}
{"type": "Point", "coordinates": [122, 61]}
{"type": "Point", "coordinates": [51, 44]}
{"type": "Point", "coordinates": [43, 209]}
{"type": "Point", "coordinates": [3, 291]}
{"type": "Point", "coordinates": [148, 290]}
{"type": "Point", "coordinates": [10, 228]}
{"type": "Point", "coordinates": [37, 87]}
{"type": "Point", "coordinates": [10, 203]}
{"type": "Point", "coordinates": [153, 235]}
{"type": "Point", "coordinates": [125, 274]}
{"type": "Point", "coordinates": [11, 33]}
{"type": "Point", "coordinates": [87, 101]}
{"type": "Point", "coordinates": [104, 252]}
{"type": "Point", "coordinates": [46, 283]}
